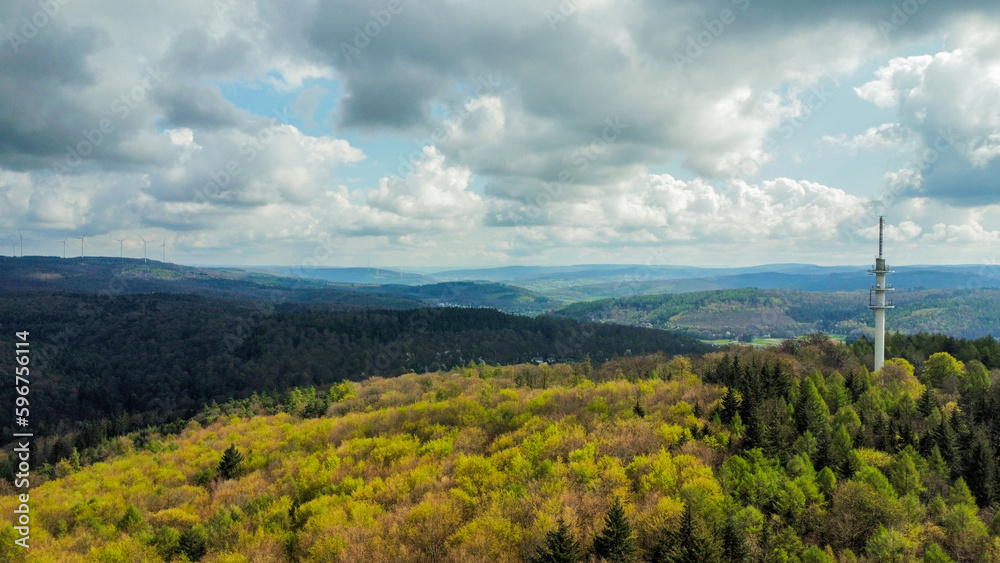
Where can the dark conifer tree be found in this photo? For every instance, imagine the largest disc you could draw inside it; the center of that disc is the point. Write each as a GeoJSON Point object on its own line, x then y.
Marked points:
{"type": "Point", "coordinates": [684, 546]}
{"type": "Point", "coordinates": [559, 547]}
{"type": "Point", "coordinates": [946, 441]}
{"type": "Point", "coordinates": [638, 410]}
{"type": "Point", "coordinates": [734, 546]}
{"type": "Point", "coordinates": [730, 405]}
{"type": "Point", "coordinates": [616, 542]}
{"type": "Point", "coordinates": [229, 465]}
{"type": "Point", "coordinates": [980, 468]}
{"type": "Point", "coordinates": [927, 403]}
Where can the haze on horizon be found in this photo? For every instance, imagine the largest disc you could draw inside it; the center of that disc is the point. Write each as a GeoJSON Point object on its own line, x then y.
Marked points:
{"type": "Point", "coordinates": [411, 134]}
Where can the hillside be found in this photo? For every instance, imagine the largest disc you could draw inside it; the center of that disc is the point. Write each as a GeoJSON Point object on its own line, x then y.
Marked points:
{"type": "Point", "coordinates": [336, 289]}
{"type": "Point", "coordinates": [115, 276]}
{"type": "Point", "coordinates": [706, 457]}
{"type": "Point", "coordinates": [588, 282]}
{"type": "Point", "coordinates": [160, 356]}
{"type": "Point", "coordinates": [503, 297]}
{"type": "Point", "coordinates": [784, 313]}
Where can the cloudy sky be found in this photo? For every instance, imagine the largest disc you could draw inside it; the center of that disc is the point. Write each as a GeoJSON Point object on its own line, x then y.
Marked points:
{"type": "Point", "coordinates": [475, 133]}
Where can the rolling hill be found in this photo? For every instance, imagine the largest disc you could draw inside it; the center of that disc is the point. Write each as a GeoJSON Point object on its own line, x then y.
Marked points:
{"type": "Point", "coordinates": [785, 313]}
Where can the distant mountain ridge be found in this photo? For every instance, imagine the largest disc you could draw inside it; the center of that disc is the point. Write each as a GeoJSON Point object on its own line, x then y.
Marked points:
{"type": "Point", "coordinates": [115, 276]}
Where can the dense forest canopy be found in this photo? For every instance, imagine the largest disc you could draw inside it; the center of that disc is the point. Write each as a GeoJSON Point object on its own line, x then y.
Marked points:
{"type": "Point", "coordinates": [791, 453]}
{"type": "Point", "coordinates": [161, 356]}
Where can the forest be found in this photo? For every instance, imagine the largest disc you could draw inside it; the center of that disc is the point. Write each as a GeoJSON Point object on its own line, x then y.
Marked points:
{"type": "Point", "coordinates": [791, 453]}
{"type": "Point", "coordinates": [110, 363]}
{"type": "Point", "coordinates": [782, 313]}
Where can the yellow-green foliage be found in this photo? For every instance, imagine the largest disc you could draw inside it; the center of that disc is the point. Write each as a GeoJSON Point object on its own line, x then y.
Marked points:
{"type": "Point", "coordinates": [440, 467]}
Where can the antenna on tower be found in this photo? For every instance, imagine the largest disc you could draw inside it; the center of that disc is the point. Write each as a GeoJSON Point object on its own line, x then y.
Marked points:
{"type": "Point", "coordinates": [881, 224]}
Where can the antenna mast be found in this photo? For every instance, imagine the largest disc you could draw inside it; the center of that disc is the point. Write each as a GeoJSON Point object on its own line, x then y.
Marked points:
{"type": "Point", "coordinates": [877, 300]}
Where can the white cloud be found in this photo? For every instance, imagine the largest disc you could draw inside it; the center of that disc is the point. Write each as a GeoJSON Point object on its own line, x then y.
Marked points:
{"type": "Point", "coordinates": [504, 98]}
{"type": "Point", "coordinates": [881, 137]}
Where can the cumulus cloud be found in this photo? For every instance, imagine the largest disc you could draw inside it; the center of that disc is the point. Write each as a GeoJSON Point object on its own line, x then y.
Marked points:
{"type": "Point", "coordinates": [881, 137]}
{"type": "Point", "coordinates": [539, 131]}
{"type": "Point", "coordinates": [951, 103]}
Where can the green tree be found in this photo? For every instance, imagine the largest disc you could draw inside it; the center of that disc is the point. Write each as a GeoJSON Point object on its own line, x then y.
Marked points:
{"type": "Point", "coordinates": [734, 544]}
{"type": "Point", "coordinates": [941, 369]}
{"type": "Point", "coordinates": [856, 511]}
{"type": "Point", "coordinates": [889, 546]}
{"type": "Point", "coordinates": [192, 542]}
{"type": "Point", "coordinates": [814, 554]}
{"type": "Point", "coordinates": [131, 521]}
{"type": "Point", "coordinates": [731, 403]}
{"type": "Point", "coordinates": [616, 542]}
{"type": "Point", "coordinates": [826, 481]}
{"type": "Point", "coordinates": [981, 468]}
{"type": "Point", "coordinates": [935, 554]}
{"type": "Point", "coordinates": [840, 450]}
{"type": "Point", "coordinates": [903, 474]}
{"type": "Point", "coordinates": [686, 545]}
{"type": "Point", "coordinates": [812, 414]}
{"type": "Point", "coordinates": [559, 547]}
{"type": "Point", "coordinates": [229, 465]}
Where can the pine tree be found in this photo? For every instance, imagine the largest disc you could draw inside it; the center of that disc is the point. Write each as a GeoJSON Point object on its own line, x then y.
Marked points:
{"type": "Point", "coordinates": [734, 545]}
{"type": "Point", "coordinates": [946, 442]}
{"type": "Point", "coordinates": [229, 465]}
{"type": "Point", "coordinates": [638, 410]}
{"type": "Point", "coordinates": [811, 412]}
{"type": "Point", "coordinates": [927, 403]}
{"type": "Point", "coordinates": [560, 547]}
{"type": "Point", "coordinates": [616, 543]}
{"type": "Point", "coordinates": [730, 405]}
{"type": "Point", "coordinates": [192, 542]}
{"type": "Point", "coordinates": [981, 468]}
{"type": "Point", "coordinates": [685, 545]}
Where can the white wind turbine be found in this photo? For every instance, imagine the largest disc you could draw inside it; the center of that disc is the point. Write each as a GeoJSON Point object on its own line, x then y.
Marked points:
{"type": "Point", "coordinates": [82, 242]}
{"type": "Point", "coordinates": [144, 243]}
{"type": "Point", "coordinates": [64, 246]}
{"type": "Point", "coordinates": [121, 246]}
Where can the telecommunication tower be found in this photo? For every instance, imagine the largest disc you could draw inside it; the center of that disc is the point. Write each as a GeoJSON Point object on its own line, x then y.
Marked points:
{"type": "Point", "coordinates": [877, 300]}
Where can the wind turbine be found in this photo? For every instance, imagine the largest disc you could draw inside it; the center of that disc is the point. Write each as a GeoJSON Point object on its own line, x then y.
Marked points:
{"type": "Point", "coordinates": [144, 243]}
{"type": "Point", "coordinates": [20, 236]}
{"type": "Point", "coordinates": [64, 246]}
{"type": "Point", "coordinates": [13, 247]}
{"type": "Point", "coordinates": [164, 247]}
{"type": "Point", "coordinates": [121, 246]}
{"type": "Point", "coordinates": [82, 243]}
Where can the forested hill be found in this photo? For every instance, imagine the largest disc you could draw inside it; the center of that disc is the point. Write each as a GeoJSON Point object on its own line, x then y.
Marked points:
{"type": "Point", "coordinates": [786, 313]}
{"type": "Point", "coordinates": [790, 454]}
{"type": "Point", "coordinates": [160, 356]}
{"type": "Point", "coordinates": [116, 276]}
{"type": "Point", "coordinates": [508, 298]}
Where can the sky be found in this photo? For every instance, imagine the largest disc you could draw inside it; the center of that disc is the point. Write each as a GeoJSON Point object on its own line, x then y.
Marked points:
{"type": "Point", "coordinates": [418, 133]}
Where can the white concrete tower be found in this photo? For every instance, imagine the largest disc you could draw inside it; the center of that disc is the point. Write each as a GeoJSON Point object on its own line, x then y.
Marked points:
{"type": "Point", "coordinates": [877, 300]}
